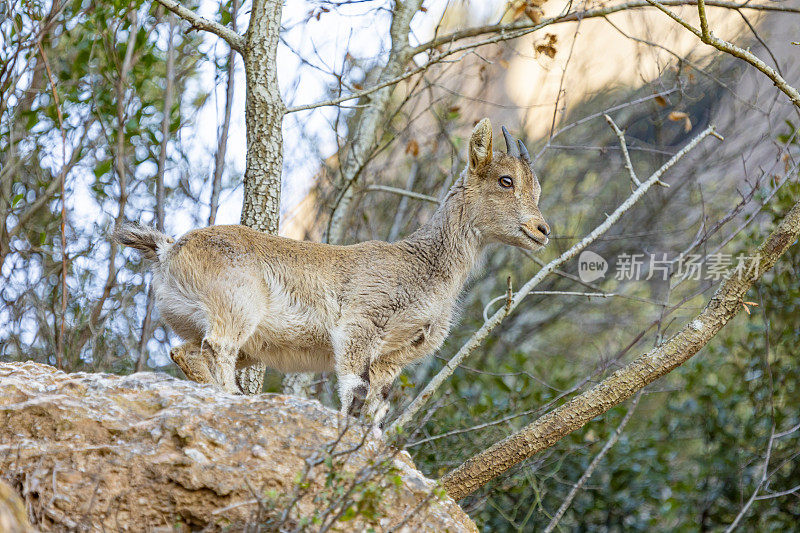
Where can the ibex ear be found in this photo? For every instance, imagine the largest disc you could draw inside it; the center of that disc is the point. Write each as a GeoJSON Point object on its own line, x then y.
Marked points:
{"type": "Point", "coordinates": [480, 145]}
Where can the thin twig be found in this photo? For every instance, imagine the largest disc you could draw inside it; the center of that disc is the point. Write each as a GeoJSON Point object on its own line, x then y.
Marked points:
{"type": "Point", "coordinates": [402, 192]}
{"type": "Point", "coordinates": [761, 481]}
{"type": "Point", "coordinates": [61, 180]}
{"type": "Point", "coordinates": [222, 143]}
{"type": "Point", "coordinates": [590, 469]}
{"type": "Point", "coordinates": [624, 147]}
{"type": "Point", "coordinates": [508, 298]}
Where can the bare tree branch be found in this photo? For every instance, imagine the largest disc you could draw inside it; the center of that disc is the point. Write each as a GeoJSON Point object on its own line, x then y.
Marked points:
{"type": "Point", "coordinates": [402, 192]}
{"type": "Point", "coordinates": [61, 178]}
{"type": "Point", "coordinates": [222, 143]}
{"type": "Point", "coordinates": [707, 37]}
{"type": "Point", "coordinates": [166, 119]}
{"type": "Point", "coordinates": [236, 41]}
{"type": "Point", "coordinates": [624, 383]}
{"type": "Point", "coordinates": [624, 147]}
{"type": "Point", "coordinates": [763, 479]}
{"type": "Point", "coordinates": [169, 93]}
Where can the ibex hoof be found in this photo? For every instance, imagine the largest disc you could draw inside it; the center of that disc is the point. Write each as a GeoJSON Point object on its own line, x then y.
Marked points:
{"type": "Point", "coordinates": [352, 392]}
{"type": "Point", "coordinates": [192, 362]}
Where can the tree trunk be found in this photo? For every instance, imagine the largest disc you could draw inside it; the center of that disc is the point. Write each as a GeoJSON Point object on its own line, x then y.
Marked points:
{"type": "Point", "coordinates": [264, 111]}
{"type": "Point", "coordinates": [263, 116]}
{"type": "Point", "coordinates": [364, 137]}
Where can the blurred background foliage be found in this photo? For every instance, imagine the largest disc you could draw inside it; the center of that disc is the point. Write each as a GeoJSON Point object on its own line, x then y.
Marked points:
{"type": "Point", "coordinates": [698, 443]}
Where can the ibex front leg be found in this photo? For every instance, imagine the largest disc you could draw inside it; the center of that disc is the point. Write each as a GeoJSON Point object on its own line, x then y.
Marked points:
{"type": "Point", "coordinates": [353, 349]}
{"type": "Point", "coordinates": [382, 374]}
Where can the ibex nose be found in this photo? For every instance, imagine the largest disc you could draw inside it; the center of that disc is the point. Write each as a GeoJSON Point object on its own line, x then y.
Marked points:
{"type": "Point", "coordinates": [544, 228]}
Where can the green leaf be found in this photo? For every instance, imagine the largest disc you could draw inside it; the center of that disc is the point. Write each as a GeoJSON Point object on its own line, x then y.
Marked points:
{"type": "Point", "coordinates": [349, 514]}
{"type": "Point", "coordinates": [16, 199]}
{"type": "Point", "coordinates": [102, 168]}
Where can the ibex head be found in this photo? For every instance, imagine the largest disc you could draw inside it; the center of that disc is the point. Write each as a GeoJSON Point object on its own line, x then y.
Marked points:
{"type": "Point", "coordinates": [504, 191]}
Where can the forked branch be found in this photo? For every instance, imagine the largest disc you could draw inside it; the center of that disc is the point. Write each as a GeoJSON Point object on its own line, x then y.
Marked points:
{"type": "Point", "coordinates": [624, 147]}
{"type": "Point", "coordinates": [235, 40]}
{"type": "Point", "coordinates": [708, 37]}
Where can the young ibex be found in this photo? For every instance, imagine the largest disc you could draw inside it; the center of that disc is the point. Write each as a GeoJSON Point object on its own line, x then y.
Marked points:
{"type": "Point", "coordinates": [366, 310]}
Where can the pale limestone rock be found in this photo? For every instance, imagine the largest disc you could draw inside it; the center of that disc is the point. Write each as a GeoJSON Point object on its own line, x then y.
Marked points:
{"type": "Point", "coordinates": [150, 452]}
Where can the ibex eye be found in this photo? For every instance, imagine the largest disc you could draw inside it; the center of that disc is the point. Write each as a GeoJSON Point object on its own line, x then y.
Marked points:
{"type": "Point", "coordinates": [506, 181]}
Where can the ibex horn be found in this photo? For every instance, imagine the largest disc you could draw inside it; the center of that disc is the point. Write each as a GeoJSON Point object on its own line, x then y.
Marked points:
{"type": "Point", "coordinates": [523, 152]}
{"type": "Point", "coordinates": [511, 145]}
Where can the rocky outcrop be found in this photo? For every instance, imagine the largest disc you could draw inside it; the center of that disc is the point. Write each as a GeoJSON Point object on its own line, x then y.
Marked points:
{"type": "Point", "coordinates": [150, 452]}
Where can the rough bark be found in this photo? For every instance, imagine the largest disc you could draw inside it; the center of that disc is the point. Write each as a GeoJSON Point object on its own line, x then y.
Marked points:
{"type": "Point", "coordinates": [547, 430]}
{"type": "Point", "coordinates": [364, 136]}
{"type": "Point", "coordinates": [100, 452]}
{"type": "Point", "coordinates": [263, 117]}
{"type": "Point", "coordinates": [264, 111]}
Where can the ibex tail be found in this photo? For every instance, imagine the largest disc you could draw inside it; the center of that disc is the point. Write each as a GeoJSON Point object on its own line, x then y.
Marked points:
{"type": "Point", "coordinates": [152, 243]}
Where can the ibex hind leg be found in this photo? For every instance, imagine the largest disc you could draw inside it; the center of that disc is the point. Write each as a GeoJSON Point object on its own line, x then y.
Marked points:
{"type": "Point", "coordinates": [224, 342]}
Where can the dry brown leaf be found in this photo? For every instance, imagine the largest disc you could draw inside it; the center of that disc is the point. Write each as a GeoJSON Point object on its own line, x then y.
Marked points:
{"type": "Point", "coordinates": [677, 116]}
{"type": "Point", "coordinates": [687, 124]}
{"type": "Point", "coordinates": [660, 100]}
{"type": "Point", "coordinates": [412, 148]}
{"type": "Point", "coordinates": [534, 13]}
{"type": "Point", "coordinates": [517, 12]}
{"type": "Point", "coordinates": [547, 46]}
{"type": "Point", "coordinates": [747, 309]}
{"type": "Point", "coordinates": [503, 63]}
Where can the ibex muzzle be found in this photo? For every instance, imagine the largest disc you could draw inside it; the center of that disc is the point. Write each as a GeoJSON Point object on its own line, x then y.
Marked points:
{"type": "Point", "coordinates": [237, 296]}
